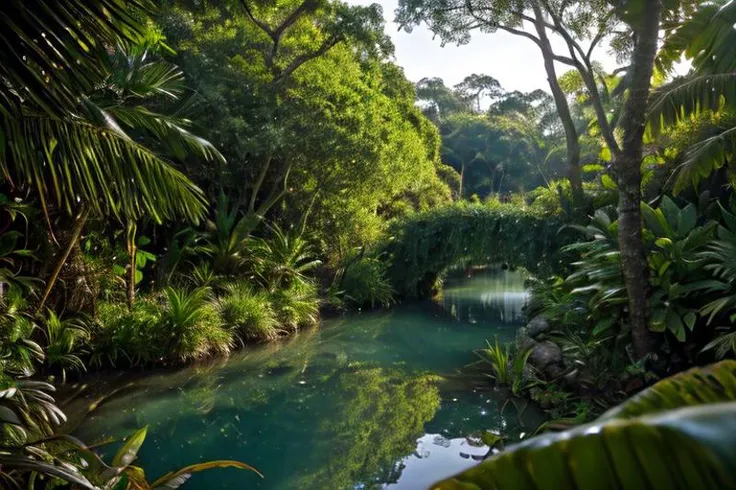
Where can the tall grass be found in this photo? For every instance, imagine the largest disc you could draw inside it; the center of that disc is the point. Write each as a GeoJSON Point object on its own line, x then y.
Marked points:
{"type": "Point", "coordinates": [196, 327]}
{"type": "Point", "coordinates": [247, 312]}
{"type": "Point", "coordinates": [296, 306]}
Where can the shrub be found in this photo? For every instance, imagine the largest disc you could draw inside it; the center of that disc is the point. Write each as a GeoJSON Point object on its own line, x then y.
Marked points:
{"type": "Point", "coordinates": [248, 312]}
{"type": "Point", "coordinates": [296, 306]}
{"type": "Point", "coordinates": [133, 336]}
{"type": "Point", "coordinates": [66, 339]}
{"type": "Point", "coordinates": [194, 324]}
{"type": "Point", "coordinates": [365, 282]}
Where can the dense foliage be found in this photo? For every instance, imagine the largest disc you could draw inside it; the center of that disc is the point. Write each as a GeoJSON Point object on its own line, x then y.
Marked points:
{"type": "Point", "coordinates": [424, 245]}
{"type": "Point", "coordinates": [182, 178]}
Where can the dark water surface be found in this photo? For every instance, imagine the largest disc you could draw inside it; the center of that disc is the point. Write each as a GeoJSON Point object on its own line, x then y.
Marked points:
{"type": "Point", "coordinates": [362, 402]}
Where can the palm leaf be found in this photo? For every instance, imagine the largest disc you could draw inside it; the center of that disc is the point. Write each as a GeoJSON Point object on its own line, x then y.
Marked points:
{"type": "Point", "coordinates": [49, 50]}
{"type": "Point", "coordinates": [697, 386]}
{"type": "Point", "coordinates": [70, 160]}
{"type": "Point", "coordinates": [688, 448]}
{"type": "Point", "coordinates": [129, 451]}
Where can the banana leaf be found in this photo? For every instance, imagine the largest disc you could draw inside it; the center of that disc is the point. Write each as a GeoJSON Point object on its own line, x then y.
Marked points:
{"type": "Point", "coordinates": [698, 386]}
{"type": "Point", "coordinates": [678, 434]}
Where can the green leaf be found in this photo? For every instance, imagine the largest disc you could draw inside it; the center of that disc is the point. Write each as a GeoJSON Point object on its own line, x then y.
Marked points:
{"type": "Point", "coordinates": [674, 435]}
{"type": "Point", "coordinates": [604, 325]}
{"type": "Point", "coordinates": [657, 320]}
{"type": "Point", "coordinates": [698, 386]}
{"type": "Point", "coordinates": [663, 242]}
{"type": "Point", "coordinates": [690, 319]}
{"type": "Point", "coordinates": [692, 447]}
{"type": "Point", "coordinates": [177, 478]}
{"type": "Point", "coordinates": [490, 439]}
{"type": "Point", "coordinates": [129, 451]}
{"type": "Point", "coordinates": [608, 183]}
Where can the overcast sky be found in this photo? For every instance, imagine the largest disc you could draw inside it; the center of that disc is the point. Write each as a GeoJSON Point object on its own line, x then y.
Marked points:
{"type": "Point", "coordinates": [514, 61]}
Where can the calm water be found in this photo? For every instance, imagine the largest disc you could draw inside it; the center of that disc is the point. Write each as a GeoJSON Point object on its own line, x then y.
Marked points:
{"type": "Point", "coordinates": [363, 402]}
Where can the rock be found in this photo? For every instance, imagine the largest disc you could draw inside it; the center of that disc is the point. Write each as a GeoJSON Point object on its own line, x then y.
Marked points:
{"type": "Point", "coordinates": [523, 341]}
{"type": "Point", "coordinates": [546, 358]}
{"type": "Point", "coordinates": [537, 326]}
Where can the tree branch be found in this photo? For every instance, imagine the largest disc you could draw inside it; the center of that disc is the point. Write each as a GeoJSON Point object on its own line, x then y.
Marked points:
{"type": "Point", "coordinates": [294, 16]}
{"type": "Point", "coordinates": [518, 32]}
{"type": "Point", "coordinates": [303, 58]}
{"type": "Point", "coordinates": [262, 25]}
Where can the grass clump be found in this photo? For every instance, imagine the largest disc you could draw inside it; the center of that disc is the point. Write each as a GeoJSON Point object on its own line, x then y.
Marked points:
{"type": "Point", "coordinates": [194, 324]}
{"type": "Point", "coordinates": [180, 325]}
{"type": "Point", "coordinates": [247, 312]}
{"type": "Point", "coordinates": [365, 282]}
{"type": "Point", "coordinates": [296, 306]}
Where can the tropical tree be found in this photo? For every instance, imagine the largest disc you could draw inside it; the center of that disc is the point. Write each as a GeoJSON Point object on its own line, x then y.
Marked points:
{"type": "Point", "coordinates": [704, 101]}
{"type": "Point", "coordinates": [75, 154]}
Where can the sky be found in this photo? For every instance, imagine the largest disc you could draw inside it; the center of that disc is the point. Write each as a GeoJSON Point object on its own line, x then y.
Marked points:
{"type": "Point", "coordinates": [514, 61]}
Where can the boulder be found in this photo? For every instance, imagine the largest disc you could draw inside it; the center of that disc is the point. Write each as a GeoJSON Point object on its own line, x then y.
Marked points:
{"type": "Point", "coordinates": [546, 358]}
{"type": "Point", "coordinates": [523, 341]}
{"type": "Point", "coordinates": [537, 326]}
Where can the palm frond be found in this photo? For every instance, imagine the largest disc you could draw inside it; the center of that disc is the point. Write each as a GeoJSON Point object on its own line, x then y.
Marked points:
{"type": "Point", "coordinates": [49, 50]}
{"type": "Point", "coordinates": [166, 129]}
{"type": "Point", "coordinates": [687, 97]}
{"type": "Point", "coordinates": [71, 160]}
{"type": "Point", "coordinates": [711, 152]}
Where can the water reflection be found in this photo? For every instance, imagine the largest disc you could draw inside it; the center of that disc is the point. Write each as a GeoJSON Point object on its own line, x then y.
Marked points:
{"type": "Point", "coordinates": [360, 403]}
{"type": "Point", "coordinates": [485, 296]}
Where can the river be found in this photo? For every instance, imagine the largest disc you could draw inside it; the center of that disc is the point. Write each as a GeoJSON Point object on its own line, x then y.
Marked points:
{"type": "Point", "coordinates": [365, 401]}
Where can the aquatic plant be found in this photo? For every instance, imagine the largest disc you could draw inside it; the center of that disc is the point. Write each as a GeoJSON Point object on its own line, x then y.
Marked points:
{"type": "Point", "coordinates": [499, 359]}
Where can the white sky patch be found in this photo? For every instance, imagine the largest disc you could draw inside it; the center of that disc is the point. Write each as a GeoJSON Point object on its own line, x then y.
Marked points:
{"type": "Point", "coordinates": [514, 61]}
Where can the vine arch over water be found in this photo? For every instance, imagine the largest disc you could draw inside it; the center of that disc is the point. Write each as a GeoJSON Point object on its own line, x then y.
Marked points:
{"type": "Point", "coordinates": [426, 244]}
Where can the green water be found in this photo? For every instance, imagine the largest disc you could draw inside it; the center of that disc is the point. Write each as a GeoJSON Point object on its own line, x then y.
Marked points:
{"type": "Point", "coordinates": [361, 402]}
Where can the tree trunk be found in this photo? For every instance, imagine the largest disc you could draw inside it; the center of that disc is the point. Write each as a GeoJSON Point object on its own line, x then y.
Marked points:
{"type": "Point", "coordinates": [563, 109]}
{"type": "Point", "coordinates": [462, 177]}
{"type": "Point", "coordinates": [132, 251]}
{"type": "Point", "coordinates": [77, 228]}
{"type": "Point", "coordinates": [628, 171]}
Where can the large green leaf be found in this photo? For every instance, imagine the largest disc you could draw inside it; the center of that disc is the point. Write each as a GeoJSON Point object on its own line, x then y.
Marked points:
{"type": "Point", "coordinates": [129, 451]}
{"type": "Point", "coordinates": [698, 386]}
{"type": "Point", "coordinates": [688, 448]}
{"type": "Point", "coordinates": [175, 479]}
{"type": "Point", "coordinates": [674, 435]}
{"type": "Point", "coordinates": [111, 172]}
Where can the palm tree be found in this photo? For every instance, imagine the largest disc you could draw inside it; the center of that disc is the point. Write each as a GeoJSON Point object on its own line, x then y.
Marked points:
{"type": "Point", "coordinates": [93, 154]}
{"type": "Point", "coordinates": [707, 40]}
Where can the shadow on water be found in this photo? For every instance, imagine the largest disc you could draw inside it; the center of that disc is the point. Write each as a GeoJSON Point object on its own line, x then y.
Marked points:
{"type": "Point", "coordinates": [360, 403]}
